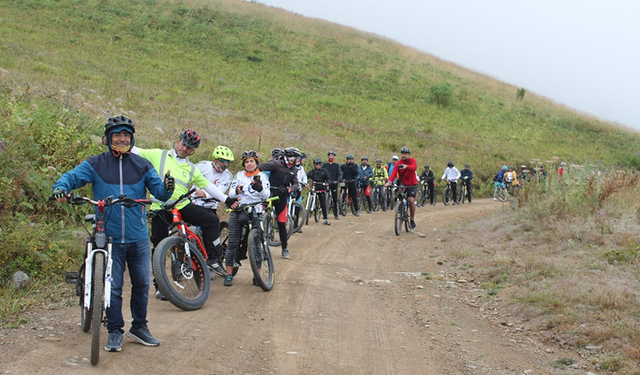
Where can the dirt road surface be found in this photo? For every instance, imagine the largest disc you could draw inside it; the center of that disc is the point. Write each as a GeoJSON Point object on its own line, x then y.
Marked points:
{"type": "Point", "coordinates": [353, 299]}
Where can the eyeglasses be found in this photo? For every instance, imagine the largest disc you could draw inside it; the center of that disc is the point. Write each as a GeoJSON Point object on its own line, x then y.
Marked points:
{"type": "Point", "coordinates": [227, 162]}
{"type": "Point", "coordinates": [318, 163]}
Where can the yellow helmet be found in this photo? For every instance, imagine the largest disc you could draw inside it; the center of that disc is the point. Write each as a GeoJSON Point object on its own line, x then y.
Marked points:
{"type": "Point", "coordinates": [224, 153]}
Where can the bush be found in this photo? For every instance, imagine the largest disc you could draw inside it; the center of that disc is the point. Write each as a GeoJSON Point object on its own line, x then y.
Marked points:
{"type": "Point", "coordinates": [441, 94]}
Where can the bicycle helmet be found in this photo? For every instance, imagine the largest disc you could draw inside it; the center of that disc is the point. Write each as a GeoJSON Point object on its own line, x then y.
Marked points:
{"type": "Point", "coordinates": [450, 164]}
{"type": "Point", "coordinates": [277, 153]}
{"type": "Point", "coordinates": [395, 157]}
{"type": "Point", "coordinates": [350, 156]}
{"type": "Point", "coordinates": [364, 158]}
{"type": "Point", "coordinates": [118, 124]}
{"type": "Point", "coordinates": [223, 153]}
{"type": "Point", "coordinates": [511, 167]}
{"type": "Point", "coordinates": [292, 152]}
{"type": "Point", "coordinates": [466, 165]}
{"type": "Point", "coordinates": [190, 138]}
{"type": "Point", "coordinates": [378, 161]}
{"type": "Point", "coordinates": [504, 168]}
{"type": "Point", "coordinates": [303, 156]}
{"type": "Point", "coordinates": [405, 150]}
{"type": "Point", "coordinates": [427, 166]}
{"type": "Point", "coordinates": [250, 154]}
{"type": "Point", "coordinates": [317, 161]}
{"type": "Point", "coordinates": [331, 153]}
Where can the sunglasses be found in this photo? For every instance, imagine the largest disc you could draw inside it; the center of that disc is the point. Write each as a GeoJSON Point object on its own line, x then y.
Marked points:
{"type": "Point", "coordinates": [227, 162]}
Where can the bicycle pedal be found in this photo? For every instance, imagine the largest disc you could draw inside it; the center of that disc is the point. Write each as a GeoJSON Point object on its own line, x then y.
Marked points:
{"type": "Point", "coordinates": [71, 277]}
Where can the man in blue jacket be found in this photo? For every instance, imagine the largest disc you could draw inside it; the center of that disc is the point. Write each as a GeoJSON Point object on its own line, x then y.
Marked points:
{"type": "Point", "coordinates": [113, 173]}
{"type": "Point", "coordinates": [466, 176]}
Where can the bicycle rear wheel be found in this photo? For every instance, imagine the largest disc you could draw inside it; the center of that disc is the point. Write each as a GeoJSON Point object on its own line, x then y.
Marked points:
{"type": "Point", "coordinates": [298, 215]}
{"type": "Point", "coordinates": [344, 204]}
{"type": "Point", "coordinates": [97, 305]}
{"type": "Point", "coordinates": [502, 194]}
{"type": "Point", "coordinates": [273, 233]}
{"type": "Point", "coordinates": [261, 261]}
{"type": "Point", "coordinates": [398, 218]}
{"type": "Point", "coordinates": [309, 207]}
{"type": "Point", "coordinates": [316, 211]}
{"type": "Point", "coordinates": [460, 197]}
{"type": "Point", "coordinates": [183, 280]}
{"type": "Point", "coordinates": [446, 196]}
{"type": "Point", "coordinates": [85, 315]}
{"type": "Point", "coordinates": [419, 197]}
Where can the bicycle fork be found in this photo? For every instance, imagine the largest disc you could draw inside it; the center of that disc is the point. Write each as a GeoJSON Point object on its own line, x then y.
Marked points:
{"type": "Point", "coordinates": [88, 276]}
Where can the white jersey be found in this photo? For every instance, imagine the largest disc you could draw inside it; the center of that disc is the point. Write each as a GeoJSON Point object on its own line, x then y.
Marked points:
{"type": "Point", "coordinates": [222, 180]}
{"type": "Point", "coordinates": [302, 177]}
{"type": "Point", "coordinates": [248, 195]}
{"type": "Point", "coordinates": [451, 174]}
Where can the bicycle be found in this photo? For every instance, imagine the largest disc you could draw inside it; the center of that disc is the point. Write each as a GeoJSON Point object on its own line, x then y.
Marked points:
{"type": "Point", "coordinates": [447, 194]}
{"type": "Point", "coordinates": [254, 238]}
{"type": "Point", "coordinates": [270, 224]}
{"type": "Point", "coordinates": [93, 280]}
{"type": "Point", "coordinates": [312, 206]}
{"type": "Point", "coordinates": [179, 263]}
{"type": "Point", "coordinates": [402, 211]}
{"type": "Point", "coordinates": [391, 193]}
{"type": "Point", "coordinates": [296, 212]}
{"type": "Point", "coordinates": [345, 199]}
{"type": "Point", "coordinates": [501, 192]}
{"type": "Point", "coordinates": [463, 193]}
{"type": "Point", "coordinates": [362, 196]}
{"type": "Point", "coordinates": [377, 198]}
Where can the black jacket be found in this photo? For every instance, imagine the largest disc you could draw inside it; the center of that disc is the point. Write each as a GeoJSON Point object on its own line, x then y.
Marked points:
{"type": "Point", "coordinates": [335, 174]}
{"type": "Point", "coordinates": [281, 177]}
{"type": "Point", "coordinates": [349, 171]}
{"type": "Point", "coordinates": [319, 176]}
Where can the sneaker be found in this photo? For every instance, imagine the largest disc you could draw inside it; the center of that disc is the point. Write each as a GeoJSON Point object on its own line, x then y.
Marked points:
{"type": "Point", "coordinates": [495, 199]}
{"type": "Point", "coordinates": [114, 344]}
{"type": "Point", "coordinates": [160, 295]}
{"type": "Point", "coordinates": [217, 268]}
{"type": "Point", "coordinates": [255, 281]}
{"type": "Point", "coordinates": [336, 217]}
{"type": "Point", "coordinates": [357, 214]}
{"type": "Point", "coordinates": [228, 281]}
{"type": "Point", "coordinates": [413, 224]}
{"type": "Point", "coordinates": [285, 254]}
{"type": "Point", "coordinates": [143, 336]}
{"type": "Point", "coordinates": [326, 222]}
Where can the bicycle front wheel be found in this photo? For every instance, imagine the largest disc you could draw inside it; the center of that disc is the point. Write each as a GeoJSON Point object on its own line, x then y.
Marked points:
{"type": "Point", "coordinates": [502, 194]}
{"type": "Point", "coordinates": [261, 261]}
{"type": "Point", "coordinates": [85, 315]}
{"type": "Point", "coordinates": [419, 198]}
{"type": "Point", "coordinates": [183, 280]}
{"type": "Point", "coordinates": [97, 305]}
{"type": "Point", "coordinates": [298, 215]}
{"type": "Point", "coordinates": [446, 196]}
{"type": "Point", "coordinates": [405, 216]}
{"type": "Point", "coordinates": [310, 204]}
{"type": "Point", "coordinates": [398, 218]}
{"type": "Point", "coordinates": [344, 205]}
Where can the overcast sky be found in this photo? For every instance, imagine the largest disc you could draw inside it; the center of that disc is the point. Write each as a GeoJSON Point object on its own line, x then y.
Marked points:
{"type": "Point", "coordinates": [582, 53]}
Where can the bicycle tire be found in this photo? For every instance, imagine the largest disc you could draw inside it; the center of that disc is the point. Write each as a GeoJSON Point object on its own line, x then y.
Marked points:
{"type": "Point", "coordinates": [302, 214]}
{"type": "Point", "coordinates": [85, 315]}
{"type": "Point", "coordinates": [502, 195]}
{"type": "Point", "coordinates": [419, 195]}
{"type": "Point", "coordinates": [405, 216]}
{"type": "Point", "coordinates": [398, 219]}
{"type": "Point", "coordinates": [185, 288]}
{"type": "Point", "coordinates": [309, 208]}
{"type": "Point", "coordinates": [446, 196]}
{"type": "Point", "coordinates": [460, 194]}
{"type": "Point", "coordinates": [261, 260]}
{"type": "Point", "coordinates": [316, 212]}
{"type": "Point", "coordinates": [392, 201]}
{"type": "Point", "coordinates": [274, 232]}
{"type": "Point", "coordinates": [353, 206]}
{"type": "Point", "coordinates": [344, 203]}
{"type": "Point", "coordinates": [97, 304]}
{"type": "Point", "coordinates": [365, 203]}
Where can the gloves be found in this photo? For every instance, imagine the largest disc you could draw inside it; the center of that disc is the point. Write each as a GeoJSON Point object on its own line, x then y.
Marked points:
{"type": "Point", "coordinates": [57, 194]}
{"type": "Point", "coordinates": [169, 182]}
{"type": "Point", "coordinates": [230, 201]}
{"type": "Point", "coordinates": [257, 185]}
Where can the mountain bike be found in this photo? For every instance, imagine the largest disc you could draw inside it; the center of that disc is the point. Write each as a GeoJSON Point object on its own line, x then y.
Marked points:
{"type": "Point", "coordinates": [501, 191]}
{"type": "Point", "coordinates": [378, 199]}
{"type": "Point", "coordinates": [93, 280]}
{"type": "Point", "coordinates": [296, 212]}
{"type": "Point", "coordinates": [179, 263]}
{"type": "Point", "coordinates": [463, 193]}
{"type": "Point", "coordinates": [424, 195]}
{"type": "Point", "coordinates": [330, 203]}
{"type": "Point", "coordinates": [421, 195]}
{"type": "Point", "coordinates": [254, 243]}
{"type": "Point", "coordinates": [447, 194]}
{"type": "Point", "coordinates": [313, 206]}
{"type": "Point", "coordinates": [345, 199]}
{"type": "Point", "coordinates": [362, 196]}
{"type": "Point", "coordinates": [391, 196]}
{"type": "Point", "coordinates": [402, 211]}
{"type": "Point", "coordinates": [270, 224]}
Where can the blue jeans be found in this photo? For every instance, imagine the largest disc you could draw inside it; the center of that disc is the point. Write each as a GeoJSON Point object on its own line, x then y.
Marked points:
{"type": "Point", "coordinates": [137, 256]}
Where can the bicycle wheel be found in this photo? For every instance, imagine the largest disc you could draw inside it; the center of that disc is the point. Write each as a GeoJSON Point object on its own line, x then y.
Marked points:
{"type": "Point", "coordinates": [365, 203]}
{"type": "Point", "coordinates": [405, 216]}
{"type": "Point", "coordinates": [419, 197]}
{"type": "Point", "coordinates": [344, 204]}
{"type": "Point", "coordinates": [316, 209]}
{"type": "Point", "coordinates": [261, 261]}
{"type": "Point", "coordinates": [85, 315]}
{"type": "Point", "coordinates": [273, 236]}
{"type": "Point", "coordinates": [460, 194]}
{"type": "Point", "coordinates": [309, 207]}
{"type": "Point", "coordinates": [183, 280]}
{"type": "Point", "coordinates": [298, 215]}
{"type": "Point", "coordinates": [353, 206]}
{"type": "Point", "coordinates": [502, 194]}
{"type": "Point", "coordinates": [97, 305]}
{"type": "Point", "coordinates": [398, 219]}
{"type": "Point", "coordinates": [446, 196]}
{"type": "Point", "coordinates": [392, 200]}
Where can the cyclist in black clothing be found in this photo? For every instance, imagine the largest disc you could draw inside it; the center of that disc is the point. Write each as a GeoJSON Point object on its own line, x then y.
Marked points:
{"type": "Point", "coordinates": [350, 177]}
{"type": "Point", "coordinates": [320, 178]}
{"type": "Point", "coordinates": [283, 181]}
{"type": "Point", "coordinates": [428, 179]}
{"type": "Point", "coordinates": [335, 175]}
{"type": "Point", "coordinates": [466, 176]}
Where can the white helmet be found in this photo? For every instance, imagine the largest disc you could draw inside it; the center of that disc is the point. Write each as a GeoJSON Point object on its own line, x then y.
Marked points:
{"type": "Point", "coordinates": [395, 157]}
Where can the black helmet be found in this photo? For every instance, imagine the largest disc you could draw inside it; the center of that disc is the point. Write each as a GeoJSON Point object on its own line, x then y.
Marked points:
{"type": "Point", "coordinates": [364, 158]}
{"type": "Point", "coordinates": [450, 164]}
{"type": "Point", "coordinates": [331, 153]}
{"type": "Point", "coordinates": [250, 154]}
{"type": "Point", "coordinates": [317, 161]}
{"type": "Point", "coordinates": [190, 138]}
{"type": "Point", "coordinates": [350, 156]}
{"type": "Point", "coordinates": [292, 152]}
{"type": "Point", "coordinates": [303, 156]}
{"type": "Point", "coordinates": [277, 153]}
{"type": "Point", "coordinates": [118, 124]}
{"type": "Point", "coordinates": [466, 165]}
{"type": "Point", "coordinates": [378, 161]}
{"type": "Point", "coordinates": [427, 166]}
{"type": "Point", "coordinates": [405, 150]}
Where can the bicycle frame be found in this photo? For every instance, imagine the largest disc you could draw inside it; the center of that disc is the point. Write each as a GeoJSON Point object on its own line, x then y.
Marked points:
{"type": "Point", "coordinates": [100, 238]}
{"type": "Point", "coordinates": [179, 226]}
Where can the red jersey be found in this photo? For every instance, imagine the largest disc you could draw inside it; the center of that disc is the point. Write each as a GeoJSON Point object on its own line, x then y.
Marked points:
{"type": "Point", "coordinates": [406, 176]}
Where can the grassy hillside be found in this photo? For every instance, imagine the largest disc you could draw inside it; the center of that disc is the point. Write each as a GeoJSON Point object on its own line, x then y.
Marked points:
{"type": "Point", "coordinates": [250, 76]}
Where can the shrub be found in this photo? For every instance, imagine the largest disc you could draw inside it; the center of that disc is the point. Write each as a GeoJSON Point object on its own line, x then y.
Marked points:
{"type": "Point", "coordinates": [441, 94]}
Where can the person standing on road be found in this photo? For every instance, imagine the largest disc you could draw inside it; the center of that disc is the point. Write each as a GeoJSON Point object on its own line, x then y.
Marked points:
{"type": "Point", "coordinates": [405, 171]}
{"type": "Point", "coordinates": [380, 177]}
{"type": "Point", "coordinates": [365, 172]}
{"type": "Point", "coordinates": [466, 175]}
{"type": "Point", "coordinates": [335, 175]}
{"type": "Point", "coordinates": [452, 174]}
{"type": "Point", "coordinates": [320, 178]}
{"type": "Point", "coordinates": [111, 174]}
{"type": "Point", "coordinates": [391, 164]}
{"type": "Point", "coordinates": [350, 178]}
{"type": "Point", "coordinates": [428, 178]}
{"type": "Point", "coordinates": [217, 173]}
{"type": "Point", "coordinates": [499, 180]}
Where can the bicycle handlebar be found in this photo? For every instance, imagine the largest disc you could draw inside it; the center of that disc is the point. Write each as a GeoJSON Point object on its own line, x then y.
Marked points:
{"type": "Point", "coordinates": [108, 201]}
{"type": "Point", "coordinates": [180, 199]}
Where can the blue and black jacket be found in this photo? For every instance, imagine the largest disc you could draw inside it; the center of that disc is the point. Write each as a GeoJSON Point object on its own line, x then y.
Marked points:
{"type": "Point", "coordinates": [112, 176]}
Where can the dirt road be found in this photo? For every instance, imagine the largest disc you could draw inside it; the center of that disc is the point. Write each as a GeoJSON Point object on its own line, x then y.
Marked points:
{"type": "Point", "coordinates": [351, 300]}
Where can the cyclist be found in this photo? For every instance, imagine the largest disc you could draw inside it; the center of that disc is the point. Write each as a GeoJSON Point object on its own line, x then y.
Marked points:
{"type": "Point", "coordinates": [428, 178]}
{"type": "Point", "coordinates": [177, 161]}
{"type": "Point", "coordinates": [405, 171]}
{"type": "Point", "coordinates": [217, 173]}
{"type": "Point", "coordinates": [365, 172]}
{"type": "Point", "coordinates": [350, 177]}
{"type": "Point", "coordinates": [499, 179]}
{"type": "Point", "coordinates": [511, 179]}
{"type": "Point", "coordinates": [321, 179]}
{"type": "Point", "coordinates": [283, 180]}
{"type": "Point", "coordinates": [391, 164]}
{"type": "Point", "coordinates": [250, 186]}
{"type": "Point", "coordinates": [467, 176]}
{"type": "Point", "coordinates": [380, 177]}
{"type": "Point", "coordinates": [452, 174]}
{"type": "Point", "coordinates": [302, 182]}
{"type": "Point", "coordinates": [112, 173]}
{"type": "Point", "coordinates": [335, 175]}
